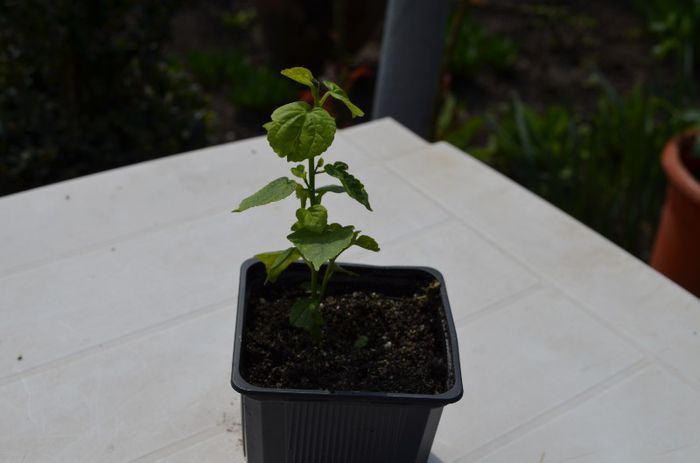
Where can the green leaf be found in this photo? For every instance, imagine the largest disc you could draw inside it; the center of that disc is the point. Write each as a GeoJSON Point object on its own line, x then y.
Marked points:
{"type": "Point", "coordinates": [302, 193]}
{"type": "Point", "coordinates": [276, 262]}
{"type": "Point", "coordinates": [361, 342]}
{"type": "Point", "coordinates": [337, 268]}
{"type": "Point", "coordinates": [336, 92]}
{"type": "Point", "coordinates": [314, 219]}
{"type": "Point", "coordinates": [298, 131]}
{"type": "Point", "coordinates": [367, 242]}
{"type": "Point", "coordinates": [276, 190]}
{"type": "Point", "coordinates": [305, 314]}
{"type": "Point", "coordinates": [299, 171]}
{"type": "Point", "coordinates": [354, 188]}
{"type": "Point", "coordinates": [299, 74]}
{"type": "Point", "coordinates": [329, 189]}
{"type": "Point", "coordinates": [319, 248]}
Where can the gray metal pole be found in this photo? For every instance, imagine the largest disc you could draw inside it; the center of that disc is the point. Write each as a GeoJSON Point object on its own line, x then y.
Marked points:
{"type": "Point", "coordinates": [409, 67]}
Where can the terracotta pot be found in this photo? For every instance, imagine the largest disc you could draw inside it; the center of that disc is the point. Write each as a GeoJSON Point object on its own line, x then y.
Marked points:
{"type": "Point", "coordinates": [676, 251]}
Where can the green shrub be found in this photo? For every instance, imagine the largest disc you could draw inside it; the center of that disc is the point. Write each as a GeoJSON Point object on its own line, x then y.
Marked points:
{"type": "Point", "coordinates": [84, 87]}
{"type": "Point", "coordinates": [603, 169]}
{"type": "Point", "coordinates": [475, 49]}
{"type": "Point", "coordinates": [676, 25]}
{"type": "Point", "coordinates": [250, 86]}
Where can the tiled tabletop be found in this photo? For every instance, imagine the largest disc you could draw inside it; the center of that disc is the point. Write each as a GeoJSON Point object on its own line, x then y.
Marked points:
{"type": "Point", "coordinates": [117, 306]}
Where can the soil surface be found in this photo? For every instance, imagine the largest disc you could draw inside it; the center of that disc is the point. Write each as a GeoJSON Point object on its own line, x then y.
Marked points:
{"type": "Point", "coordinates": [404, 351]}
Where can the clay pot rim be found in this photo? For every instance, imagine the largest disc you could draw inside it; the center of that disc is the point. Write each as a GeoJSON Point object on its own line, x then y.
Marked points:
{"type": "Point", "coordinates": [676, 171]}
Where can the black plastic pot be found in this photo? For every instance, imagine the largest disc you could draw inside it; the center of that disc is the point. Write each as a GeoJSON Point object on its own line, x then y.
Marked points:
{"type": "Point", "coordinates": [319, 426]}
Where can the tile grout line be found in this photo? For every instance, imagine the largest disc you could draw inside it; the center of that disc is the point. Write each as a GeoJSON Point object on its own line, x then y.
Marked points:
{"type": "Point", "coordinates": [152, 229]}
{"type": "Point", "coordinates": [100, 245]}
{"type": "Point", "coordinates": [499, 305]}
{"type": "Point", "coordinates": [181, 444]}
{"type": "Point", "coordinates": [555, 412]}
{"type": "Point", "coordinates": [96, 348]}
{"type": "Point", "coordinates": [578, 303]}
{"type": "Point", "coordinates": [583, 307]}
{"type": "Point", "coordinates": [403, 237]}
{"type": "Point", "coordinates": [117, 342]}
{"type": "Point", "coordinates": [628, 339]}
{"type": "Point", "coordinates": [397, 154]}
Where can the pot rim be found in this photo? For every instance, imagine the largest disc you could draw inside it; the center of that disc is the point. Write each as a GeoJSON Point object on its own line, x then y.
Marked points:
{"type": "Point", "coordinates": [453, 394]}
{"type": "Point", "coordinates": [676, 171]}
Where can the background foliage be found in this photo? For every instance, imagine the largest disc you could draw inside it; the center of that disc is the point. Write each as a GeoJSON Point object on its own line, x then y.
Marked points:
{"type": "Point", "coordinates": [573, 100]}
{"type": "Point", "coordinates": [602, 168]}
{"type": "Point", "coordinates": [594, 151]}
{"type": "Point", "coordinates": [85, 87]}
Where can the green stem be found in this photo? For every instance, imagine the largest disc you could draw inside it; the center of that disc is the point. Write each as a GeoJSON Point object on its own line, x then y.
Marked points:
{"type": "Point", "coordinates": [314, 281]}
{"type": "Point", "coordinates": [314, 92]}
{"type": "Point", "coordinates": [324, 98]}
{"type": "Point", "coordinates": [326, 279]}
{"type": "Point", "coordinates": [312, 181]}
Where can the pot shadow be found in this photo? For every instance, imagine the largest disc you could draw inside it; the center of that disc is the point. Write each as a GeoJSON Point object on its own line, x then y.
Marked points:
{"type": "Point", "coordinates": [434, 459]}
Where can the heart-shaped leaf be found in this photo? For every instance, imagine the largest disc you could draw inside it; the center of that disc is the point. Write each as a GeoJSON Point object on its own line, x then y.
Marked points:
{"type": "Point", "coordinates": [275, 262]}
{"type": "Point", "coordinates": [276, 190]}
{"type": "Point", "coordinates": [319, 248]}
{"type": "Point", "coordinates": [299, 132]}
{"type": "Point", "coordinates": [354, 188]}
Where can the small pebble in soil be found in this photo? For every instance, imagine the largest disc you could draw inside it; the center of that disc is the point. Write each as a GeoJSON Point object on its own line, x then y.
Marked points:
{"type": "Point", "coordinates": [19, 358]}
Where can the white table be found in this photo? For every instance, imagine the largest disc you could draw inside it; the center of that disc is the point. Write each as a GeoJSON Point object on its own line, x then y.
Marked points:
{"type": "Point", "coordinates": [117, 306]}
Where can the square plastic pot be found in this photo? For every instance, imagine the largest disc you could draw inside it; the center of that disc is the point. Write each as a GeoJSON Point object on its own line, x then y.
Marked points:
{"type": "Point", "coordinates": [320, 426]}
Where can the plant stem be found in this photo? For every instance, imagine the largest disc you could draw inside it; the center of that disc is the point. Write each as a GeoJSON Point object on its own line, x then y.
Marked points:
{"type": "Point", "coordinates": [314, 92]}
{"type": "Point", "coordinates": [326, 278]}
{"type": "Point", "coordinates": [314, 281]}
{"type": "Point", "coordinates": [312, 181]}
{"type": "Point", "coordinates": [324, 98]}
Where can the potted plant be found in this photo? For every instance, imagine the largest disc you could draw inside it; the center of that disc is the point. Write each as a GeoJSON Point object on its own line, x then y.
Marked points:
{"type": "Point", "coordinates": [356, 368]}
{"type": "Point", "coordinates": [676, 251]}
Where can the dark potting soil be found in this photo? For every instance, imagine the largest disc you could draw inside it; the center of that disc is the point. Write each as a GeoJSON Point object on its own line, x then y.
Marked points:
{"type": "Point", "coordinates": [405, 349]}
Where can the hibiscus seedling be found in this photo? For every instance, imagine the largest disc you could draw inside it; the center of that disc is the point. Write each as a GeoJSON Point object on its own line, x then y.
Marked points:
{"type": "Point", "coordinates": [301, 133]}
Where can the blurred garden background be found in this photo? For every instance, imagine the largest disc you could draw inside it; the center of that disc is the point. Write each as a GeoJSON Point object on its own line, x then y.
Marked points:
{"type": "Point", "coordinates": [572, 99]}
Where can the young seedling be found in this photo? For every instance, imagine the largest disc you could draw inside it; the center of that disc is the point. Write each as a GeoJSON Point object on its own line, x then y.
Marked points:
{"type": "Point", "coordinates": [300, 133]}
